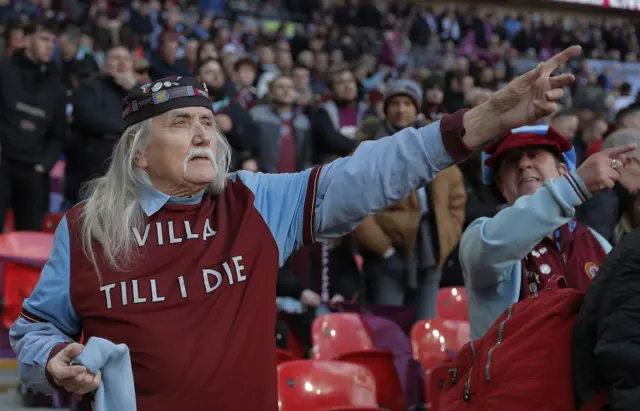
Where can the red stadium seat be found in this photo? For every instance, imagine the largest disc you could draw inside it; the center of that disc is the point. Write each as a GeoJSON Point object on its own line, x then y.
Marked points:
{"type": "Point", "coordinates": [283, 356]}
{"type": "Point", "coordinates": [381, 364]}
{"type": "Point", "coordinates": [427, 335]}
{"type": "Point", "coordinates": [51, 221]}
{"type": "Point", "coordinates": [339, 333]}
{"type": "Point", "coordinates": [19, 282]}
{"type": "Point", "coordinates": [23, 253]}
{"type": "Point", "coordinates": [452, 304]}
{"type": "Point", "coordinates": [433, 340]}
{"type": "Point", "coordinates": [307, 385]}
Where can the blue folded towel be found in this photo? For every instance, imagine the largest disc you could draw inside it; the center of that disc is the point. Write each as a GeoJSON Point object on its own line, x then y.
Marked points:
{"type": "Point", "coordinates": [116, 391]}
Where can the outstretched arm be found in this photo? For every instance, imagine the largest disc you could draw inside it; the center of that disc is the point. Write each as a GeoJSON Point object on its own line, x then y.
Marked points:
{"type": "Point", "coordinates": [329, 201]}
{"type": "Point", "coordinates": [491, 246]}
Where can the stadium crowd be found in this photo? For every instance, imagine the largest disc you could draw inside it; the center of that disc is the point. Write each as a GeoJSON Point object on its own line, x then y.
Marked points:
{"type": "Point", "coordinates": [296, 84]}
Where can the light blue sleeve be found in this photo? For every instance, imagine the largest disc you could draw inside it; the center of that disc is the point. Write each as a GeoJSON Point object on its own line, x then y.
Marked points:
{"type": "Point", "coordinates": [490, 247]}
{"type": "Point", "coordinates": [280, 200]}
{"type": "Point", "coordinates": [379, 174]}
{"type": "Point", "coordinates": [47, 317]}
{"type": "Point", "coordinates": [330, 201]}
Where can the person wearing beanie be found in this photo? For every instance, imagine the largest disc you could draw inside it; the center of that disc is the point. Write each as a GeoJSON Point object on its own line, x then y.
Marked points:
{"type": "Point", "coordinates": [405, 245]}
{"type": "Point", "coordinates": [512, 255]}
{"type": "Point", "coordinates": [175, 258]}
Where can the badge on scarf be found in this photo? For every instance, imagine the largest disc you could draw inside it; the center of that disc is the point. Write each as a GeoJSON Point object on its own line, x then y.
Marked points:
{"type": "Point", "coordinates": [572, 226]}
{"type": "Point", "coordinates": [591, 269]}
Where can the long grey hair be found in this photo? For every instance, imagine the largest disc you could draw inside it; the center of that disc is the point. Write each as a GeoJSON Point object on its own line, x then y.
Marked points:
{"type": "Point", "coordinates": [113, 208]}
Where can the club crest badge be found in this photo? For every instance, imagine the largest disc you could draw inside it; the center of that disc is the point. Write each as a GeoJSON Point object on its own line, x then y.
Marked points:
{"type": "Point", "coordinates": [156, 87]}
{"type": "Point", "coordinates": [591, 269]}
{"type": "Point", "coordinates": [146, 88]}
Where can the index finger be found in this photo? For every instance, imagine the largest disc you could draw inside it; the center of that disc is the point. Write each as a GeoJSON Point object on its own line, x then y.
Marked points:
{"type": "Point", "coordinates": [64, 373]}
{"type": "Point", "coordinates": [616, 151]}
{"type": "Point", "coordinates": [562, 57]}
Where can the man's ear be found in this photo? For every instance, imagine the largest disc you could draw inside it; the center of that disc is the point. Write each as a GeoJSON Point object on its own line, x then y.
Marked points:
{"type": "Point", "coordinates": [139, 158]}
{"type": "Point", "coordinates": [562, 168]}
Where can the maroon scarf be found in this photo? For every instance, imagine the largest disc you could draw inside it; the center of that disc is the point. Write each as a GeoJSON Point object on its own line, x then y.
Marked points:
{"type": "Point", "coordinates": [575, 254]}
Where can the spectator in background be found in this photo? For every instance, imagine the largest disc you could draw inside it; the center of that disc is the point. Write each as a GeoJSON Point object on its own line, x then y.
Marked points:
{"type": "Point", "coordinates": [565, 123]}
{"type": "Point", "coordinates": [625, 99]}
{"type": "Point", "coordinates": [13, 36]}
{"type": "Point", "coordinates": [603, 212]}
{"type": "Point", "coordinates": [301, 76]}
{"type": "Point", "coordinates": [593, 136]}
{"type": "Point", "coordinates": [285, 132]}
{"type": "Point", "coordinates": [71, 50]}
{"type": "Point", "coordinates": [432, 106]}
{"type": "Point", "coordinates": [97, 122]}
{"type": "Point", "coordinates": [233, 121]}
{"type": "Point", "coordinates": [141, 68]}
{"type": "Point", "coordinates": [246, 70]}
{"type": "Point", "coordinates": [335, 122]}
{"type": "Point", "coordinates": [405, 245]}
{"type": "Point", "coordinates": [32, 126]}
{"type": "Point", "coordinates": [629, 117]}
{"type": "Point", "coordinates": [191, 55]}
{"type": "Point", "coordinates": [167, 63]}
{"type": "Point", "coordinates": [284, 65]}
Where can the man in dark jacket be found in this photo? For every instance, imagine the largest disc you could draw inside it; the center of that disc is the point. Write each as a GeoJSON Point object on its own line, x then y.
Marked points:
{"type": "Point", "coordinates": [234, 121]}
{"type": "Point", "coordinates": [606, 348]}
{"type": "Point", "coordinates": [334, 122]}
{"type": "Point", "coordinates": [97, 121]}
{"type": "Point", "coordinates": [32, 126]}
{"type": "Point", "coordinates": [285, 132]}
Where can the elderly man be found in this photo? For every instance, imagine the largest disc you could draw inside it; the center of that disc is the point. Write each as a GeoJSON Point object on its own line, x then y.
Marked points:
{"type": "Point", "coordinates": [177, 260]}
{"type": "Point", "coordinates": [513, 254]}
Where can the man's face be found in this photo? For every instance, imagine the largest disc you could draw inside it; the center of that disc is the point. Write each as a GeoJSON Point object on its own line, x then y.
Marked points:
{"type": "Point", "coordinates": [212, 75]}
{"type": "Point", "coordinates": [284, 60]}
{"type": "Point", "coordinates": [68, 47]}
{"type": "Point", "coordinates": [245, 75]}
{"type": "Point", "coordinates": [301, 78]}
{"type": "Point", "coordinates": [567, 126]}
{"type": "Point", "coordinates": [118, 61]}
{"type": "Point", "coordinates": [16, 39]}
{"type": "Point", "coordinates": [208, 51]}
{"type": "Point", "coordinates": [266, 55]}
{"type": "Point", "coordinates": [282, 91]}
{"type": "Point", "coordinates": [321, 62]}
{"type": "Point", "coordinates": [401, 111]}
{"type": "Point", "coordinates": [631, 120]}
{"type": "Point", "coordinates": [191, 50]}
{"type": "Point", "coordinates": [344, 86]}
{"type": "Point", "coordinates": [596, 132]}
{"type": "Point", "coordinates": [434, 96]}
{"type": "Point", "coordinates": [522, 171]}
{"type": "Point", "coordinates": [41, 44]}
{"type": "Point", "coordinates": [630, 173]}
{"type": "Point", "coordinates": [173, 135]}
{"type": "Point", "coordinates": [170, 50]}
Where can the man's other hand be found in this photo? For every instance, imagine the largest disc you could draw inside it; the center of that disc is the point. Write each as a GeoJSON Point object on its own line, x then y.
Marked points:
{"type": "Point", "coordinates": [75, 379]}
{"type": "Point", "coordinates": [601, 170]}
